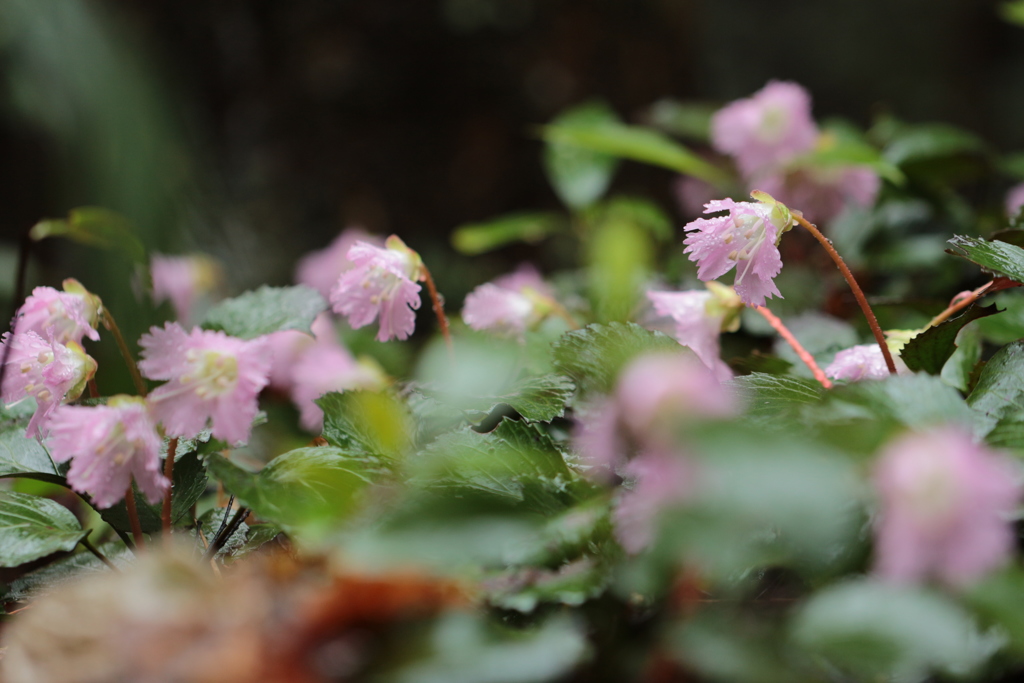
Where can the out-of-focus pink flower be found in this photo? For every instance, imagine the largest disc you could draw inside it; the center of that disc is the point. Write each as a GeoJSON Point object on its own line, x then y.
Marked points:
{"type": "Point", "coordinates": [821, 192]}
{"type": "Point", "coordinates": [288, 346]}
{"type": "Point", "coordinates": [1014, 200]}
{"type": "Point", "coordinates": [692, 194]}
{"type": "Point", "coordinates": [769, 128]}
{"type": "Point", "coordinates": [510, 304]}
{"type": "Point", "coordinates": [598, 436]}
{"type": "Point", "coordinates": [700, 317]}
{"type": "Point", "coordinates": [326, 367]}
{"type": "Point", "coordinates": [945, 511]}
{"type": "Point", "coordinates": [746, 237]}
{"type": "Point", "coordinates": [380, 284]}
{"type": "Point", "coordinates": [211, 376]}
{"type": "Point", "coordinates": [658, 481]}
{"type": "Point", "coordinates": [864, 361]}
{"type": "Point", "coordinates": [107, 446]}
{"type": "Point", "coordinates": [321, 269]}
{"type": "Point", "coordinates": [68, 315]}
{"type": "Point", "coordinates": [184, 280]}
{"type": "Point", "coordinates": [47, 371]}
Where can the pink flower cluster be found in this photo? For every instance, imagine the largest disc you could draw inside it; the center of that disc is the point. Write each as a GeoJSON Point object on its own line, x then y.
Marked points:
{"type": "Point", "coordinates": [770, 135]}
{"type": "Point", "coordinates": [511, 304]}
{"type": "Point", "coordinates": [946, 507]}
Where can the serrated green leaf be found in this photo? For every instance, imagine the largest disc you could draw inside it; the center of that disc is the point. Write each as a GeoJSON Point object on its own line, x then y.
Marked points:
{"type": "Point", "coordinates": [22, 457]}
{"type": "Point", "coordinates": [266, 310]}
{"type": "Point", "coordinates": [930, 350]}
{"type": "Point", "coordinates": [32, 527]}
{"type": "Point", "coordinates": [477, 238]}
{"type": "Point", "coordinates": [537, 399]}
{"type": "Point", "coordinates": [635, 143]}
{"type": "Point", "coordinates": [999, 393]}
{"type": "Point", "coordinates": [998, 257]}
{"type": "Point", "coordinates": [594, 356]}
{"type": "Point", "coordinates": [775, 396]}
{"type": "Point", "coordinates": [515, 465]}
{"type": "Point", "coordinates": [96, 227]}
{"type": "Point", "coordinates": [46, 579]}
{"type": "Point", "coordinates": [368, 423]}
{"type": "Point", "coordinates": [580, 176]}
{"type": "Point", "coordinates": [308, 489]}
{"type": "Point", "coordinates": [189, 484]}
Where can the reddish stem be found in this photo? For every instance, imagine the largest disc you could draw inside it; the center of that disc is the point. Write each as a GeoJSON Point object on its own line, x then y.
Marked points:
{"type": "Point", "coordinates": [806, 357]}
{"type": "Point", "coordinates": [165, 512]}
{"type": "Point", "coordinates": [133, 517]}
{"type": "Point", "coordinates": [862, 300]}
{"type": "Point", "coordinates": [442, 319]}
{"type": "Point", "coordinates": [965, 299]}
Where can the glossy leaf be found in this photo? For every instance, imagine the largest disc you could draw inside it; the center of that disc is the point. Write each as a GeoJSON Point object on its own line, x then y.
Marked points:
{"type": "Point", "coordinates": [774, 396]}
{"type": "Point", "coordinates": [266, 310]}
{"type": "Point", "coordinates": [22, 457]}
{"type": "Point", "coordinates": [537, 399]}
{"type": "Point", "coordinates": [477, 238]}
{"type": "Point", "coordinates": [96, 227]}
{"type": "Point", "coordinates": [32, 527]}
{"type": "Point", "coordinates": [998, 257]}
{"type": "Point", "coordinates": [594, 356]}
{"type": "Point", "coordinates": [189, 484]}
{"type": "Point", "coordinates": [930, 350]}
{"type": "Point", "coordinates": [579, 175]}
{"type": "Point", "coordinates": [999, 393]}
{"type": "Point", "coordinates": [366, 423]}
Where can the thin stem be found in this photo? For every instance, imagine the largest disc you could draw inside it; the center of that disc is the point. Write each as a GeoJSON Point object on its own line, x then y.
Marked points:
{"type": "Point", "coordinates": [103, 558]}
{"type": "Point", "coordinates": [806, 357]}
{"type": "Point", "coordinates": [224, 519]}
{"type": "Point", "coordinates": [226, 533]}
{"type": "Point", "coordinates": [876, 330]}
{"type": "Point", "coordinates": [165, 512]}
{"type": "Point", "coordinates": [133, 517]}
{"type": "Point", "coordinates": [965, 299]}
{"type": "Point", "coordinates": [108, 322]}
{"type": "Point", "coordinates": [442, 319]}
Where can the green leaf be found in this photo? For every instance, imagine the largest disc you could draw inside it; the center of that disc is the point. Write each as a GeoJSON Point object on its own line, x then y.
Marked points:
{"type": "Point", "coordinates": [308, 489]}
{"type": "Point", "coordinates": [189, 484]}
{"type": "Point", "coordinates": [927, 142]}
{"type": "Point", "coordinates": [1000, 258]}
{"type": "Point", "coordinates": [476, 238]}
{"type": "Point", "coordinates": [523, 588]}
{"type": "Point", "coordinates": [999, 393]}
{"type": "Point", "coordinates": [771, 397]}
{"type": "Point", "coordinates": [635, 143]}
{"type": "Point", "coordinates": [684, 119]}
{"type": "Point", "coordinates": [515, 465]}
{"type": "Point", "coordinates": [846, 149]}
{"type": "Point", "coordinates": [884, 631]}
{"type": "Point", "coordinates": [619, 255]}
{"type": "Point", "coordinates": [580, 176]}
{"type": "Point", "coordinates": [96, 227]}
{"type": "Point", "coordinates": [366, 423]}
{"type": "Point", "coordinates": [537, 399]}
{"type": "Point", "coordinates": [266, 310]}
{"type": "Point", "coordinates": [1008, 326]}
{"type": "Point", "coordinates": [32, 527]}
{"type": "Point", "coordinates": [930, 350]}
{"type": "Point", "coordinates": [594, 356]}
{"type": "Point", "coordinates": [22, 457]}
{"type": "Point", "coordinates": [959, 369]}
{"type": "Point", "coordinates": [999, 599]}
{"type": "Point", "coordinates": [71, 568]}
{"type": "Point", "coordinates": [1013, 12]}
{"type": "Point", "coordinates": [635, 211]}
{"type": "Point", "coordinates": [210, 523]}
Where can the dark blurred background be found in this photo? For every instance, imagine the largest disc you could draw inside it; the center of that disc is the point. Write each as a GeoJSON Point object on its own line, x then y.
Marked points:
{"type": "Point", "coordinates": [258, 129]}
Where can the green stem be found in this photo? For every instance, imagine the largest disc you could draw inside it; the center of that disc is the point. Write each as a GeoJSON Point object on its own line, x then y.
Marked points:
{"type": "Point", "coordinates": [103, 558]}
{"type": "Point", "coordinates": [110, 324]}
{"type": "Point", "coordinates": [862, 300]}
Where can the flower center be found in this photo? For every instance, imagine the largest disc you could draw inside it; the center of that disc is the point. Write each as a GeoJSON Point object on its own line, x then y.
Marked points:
{"type": "Point", "coordinates": [213, 373]}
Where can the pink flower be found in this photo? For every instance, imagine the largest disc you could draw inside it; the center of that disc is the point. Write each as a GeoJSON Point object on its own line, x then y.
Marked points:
{"type": "Point", "coordinates": [598, 436]}
{"type": "Point", "coordinates": [821, 192]}
{"type": "Point", "coordinates": [769, 128]}
{"type": "Point", "coordinates": [184, 280]}
{"type": "Point", "coordinates": [700, 318]}
{"type": "Point", "coordinates": [747, 238]}
{"type": "Point", "coordinates": [1014, 200]}
{"type": "Point", "coordinates": [946, 506]}
{"type": "Point", "coordinates": [326, 367]}
{"type": "Point", "coordinates": [211, 377]}
{"type": "Point", "coordinates": [47, 371]}
{"type": "Point", "coordinates": [108, 446]}
{"type": "Point", "coordinates": [659, 481]}
{"type": "Point", "coordinates": [380, 284]}
{"type": "Point", "coordinates": [288, 346]}
{"type": "Point", "coordinates": [321, 269]}
{"type": "Point", "coordinates": [864, 361]}
{"type": "Point", "coordinates": [510, 304]}
{"type": "Point", "coordinates": [692, 194]}
{"type": "Point", "coordinates": [68, 315]}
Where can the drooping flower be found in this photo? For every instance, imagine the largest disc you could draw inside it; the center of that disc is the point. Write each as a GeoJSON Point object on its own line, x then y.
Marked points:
{"type": "Point", "coordinates": [184, 280]}
{"type": "Point", "coordinates": [700, 317]}
{"type": "Point", "coordinates": [47, 371]}
{"type": "Point", "coordinates": [510, 304]}
{"type": "Point", "coordinates": [211, 376]}
{"type": "Point", "coordinates": [746, 238]}
{"type": "Point", "coordinates": [946, 506]}
{"type": "Point", "coordinates": [325, 367]}
{"type": "Point", "coordinates": [769, 128]}
{"type": "Point", "coordinates": [68, 315]}
{"type": "Point", "coordinates": [381, 284]}
{"type": "Point", "coordinates": [1014, 200]}
{"type": "Point", "coordinates": [321, 269]}
{"type": "Point", "coordinates": [107, 446]}
{"type": "Point", "coordinates": [864, 361]}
